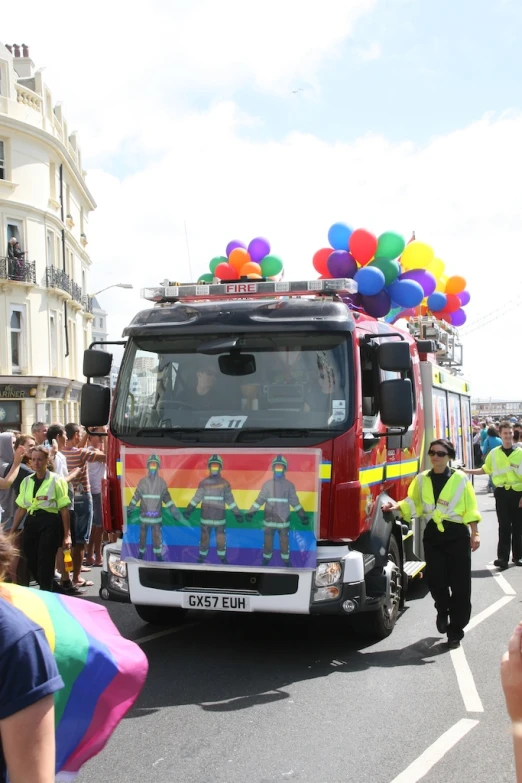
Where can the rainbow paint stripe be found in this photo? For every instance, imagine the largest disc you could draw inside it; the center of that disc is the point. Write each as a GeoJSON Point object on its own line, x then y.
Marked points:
{"type": "Point", "coordinates": [103, 673]}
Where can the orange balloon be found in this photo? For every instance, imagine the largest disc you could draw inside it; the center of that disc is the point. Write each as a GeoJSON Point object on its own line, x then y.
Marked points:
{"type": "Point", "coordinates": [250, 268]}
{"type": "Point", "coordinates": [455, 284]}
{"type": "Point", "coordinates": [238, 258]}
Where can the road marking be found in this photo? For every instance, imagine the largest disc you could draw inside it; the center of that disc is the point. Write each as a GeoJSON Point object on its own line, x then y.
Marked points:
{"type": "Point", "coordinates": [165, 632]}
{"type": "Point", "coordinates": [489, 611]}
{"type": "Point", "coordinates": [501, 580]}
{"type": "Point", "coordinates": [466, 682]}
{"type": "Point", "coordinates": [421, 766]}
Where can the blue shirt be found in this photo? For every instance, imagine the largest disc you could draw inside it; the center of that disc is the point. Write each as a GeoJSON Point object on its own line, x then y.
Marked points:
{"type": "Point", "coordinates": [28, 670]}
{"type": "Point", "coordinates": [490, 443]}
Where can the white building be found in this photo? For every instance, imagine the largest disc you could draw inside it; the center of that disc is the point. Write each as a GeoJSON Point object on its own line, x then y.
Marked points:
{"type": "Point", "coordinates": [45, 310]}
{"type": "Point", "coordinates": [99, 323]}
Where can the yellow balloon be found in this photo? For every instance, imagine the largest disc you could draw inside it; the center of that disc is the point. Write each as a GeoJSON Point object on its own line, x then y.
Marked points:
{"type": "Point", "coordinates": [417, 255]}
{"type": "Point", "coordinates": [441, 284]}
{"type": "Point", "coordinates": [436, 267]}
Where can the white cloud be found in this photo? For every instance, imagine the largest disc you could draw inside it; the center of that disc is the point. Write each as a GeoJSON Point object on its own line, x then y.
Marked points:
{"type": "Point", "coordinates": [131, 80]}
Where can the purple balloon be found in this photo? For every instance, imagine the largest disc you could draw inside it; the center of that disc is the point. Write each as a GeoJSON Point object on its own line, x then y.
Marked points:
{"type": "Point", "coordinates": [353, 301]}
{"type": "Point", "coordinates": [258, 249]}
{"type": "Point", "coordinates": [377, 306]}
{"type": "Point", "coordinates": [341, 263]}
{"type": "Point", "coordinates": [424, 278]}
{"type": "Point", "coordinates": [458, 318]}
{"type": "Point", "coordinates": [232, 246]}
{"type": "Point", "coordinates": [464, 297]}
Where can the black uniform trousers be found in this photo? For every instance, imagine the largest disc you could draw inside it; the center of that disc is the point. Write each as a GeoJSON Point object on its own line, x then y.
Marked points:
{"type": "Point", "coordinates": [448, 571]}
{"type": "Point", "coordinates": [42, 536]}
{"type": "Point", "coordinates": [509, 516]}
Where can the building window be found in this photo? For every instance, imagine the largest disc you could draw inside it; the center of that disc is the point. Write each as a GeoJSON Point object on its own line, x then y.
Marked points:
{"type": "Point", "coordinates": [17, 330]}
{"type": "Point", "coordinates": [53, 343]}
{"type": "Point", "coordinates": [52, 180]}
{"type": "Point", "coordinates": [68, 199]}
{"type": "Point", "coordinates": [101, 324]}
{"type": "Point", "coordinates": [2, 161]}
{"type": "Point", "coordinates": [50, 248]}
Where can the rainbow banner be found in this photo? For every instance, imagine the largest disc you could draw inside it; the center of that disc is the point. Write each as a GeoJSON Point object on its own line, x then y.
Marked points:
{"type": "Point", "coordinates": [246, 507]}
{"type": "Point", "coordinates": [103, 673]}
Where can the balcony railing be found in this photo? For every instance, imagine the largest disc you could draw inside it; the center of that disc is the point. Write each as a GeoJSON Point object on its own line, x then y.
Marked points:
{"type": "Point", "coordinates": [18, 270]}
{"type": "Point", "coordinates": [87, 303]}
{"type": "Point", "coordinates": [56, 278]}
{"type": "Point", "coordinates": [76, 292]}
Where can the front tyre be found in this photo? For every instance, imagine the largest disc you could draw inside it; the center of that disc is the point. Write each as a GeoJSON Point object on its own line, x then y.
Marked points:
{"type": "Point", "coordinates": [161, 615]}
{"type": "Point", "coordinates": [380, 624]}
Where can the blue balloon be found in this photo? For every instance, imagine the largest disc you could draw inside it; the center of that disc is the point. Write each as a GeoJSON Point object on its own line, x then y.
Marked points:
{"type": "Point", "coordinates": [437, 301]}
{"type": "Point", "coordinates": [406, 293]}
{"type": "Point", "coordinates": [370, 280]}
{"type": "Point", "coordinates": [339, 236]}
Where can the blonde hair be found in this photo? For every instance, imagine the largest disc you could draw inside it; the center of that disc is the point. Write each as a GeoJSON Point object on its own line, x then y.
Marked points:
{"type": "Point", "coordinates": [7, 554]}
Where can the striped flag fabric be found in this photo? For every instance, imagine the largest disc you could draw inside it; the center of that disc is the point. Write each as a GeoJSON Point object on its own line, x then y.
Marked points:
{"type": "Point", "coordinates": [103, 673]}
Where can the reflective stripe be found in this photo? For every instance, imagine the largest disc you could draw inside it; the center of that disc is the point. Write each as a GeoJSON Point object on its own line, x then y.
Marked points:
{"type": "Point", "coordinates": [256, 505]}
{"type": "Point", "coordinates": [276, 524]}
{"type": "Point", "coordinates": [371, 475]}
{"type": "Point", "coordinates": [325, 471]}
{"type": "Point", "coordinates": [277, 500]}
{"type": "Point", "coordinates": [405, 468]}
{"type": "Point", "coordinates": [213, 522]}
{"type": "Point", "coordinates": [440, 511]}
{"type": "Point", "coordinates": [32, 503]}
{"type": "Point", "coordinates": [119, 469]}
{"type": "Point", "coordinates": [155, 497]}
{"type": "Point", "coordinates": [233, 505]}
{"type": "Point", "coordinates": [212, 497]}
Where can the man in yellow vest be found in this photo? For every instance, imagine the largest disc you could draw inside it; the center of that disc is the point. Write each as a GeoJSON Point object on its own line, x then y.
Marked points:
{"type": "Point", "coordinates": [44, 497]}
{"type": "Point", "coordinates": [504, 465]}
{"type": "Point", "coordinates": [446, 499]}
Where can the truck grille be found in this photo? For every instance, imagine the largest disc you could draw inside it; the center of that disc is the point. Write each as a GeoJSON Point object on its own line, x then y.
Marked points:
{"type": "Point", "coordinates": [261, 583]}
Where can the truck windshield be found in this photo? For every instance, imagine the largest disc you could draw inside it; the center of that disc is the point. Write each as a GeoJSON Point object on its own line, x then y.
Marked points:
{"type": "Point", "coordinates": [243, 382]}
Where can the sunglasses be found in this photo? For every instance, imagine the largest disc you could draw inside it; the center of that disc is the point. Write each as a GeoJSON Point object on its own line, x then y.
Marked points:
{"type": "Point", "coordinates": [438, 454]}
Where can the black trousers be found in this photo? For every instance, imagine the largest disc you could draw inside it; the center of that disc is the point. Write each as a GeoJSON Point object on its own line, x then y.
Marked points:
{"type": "Point", "coordinates": [448, 571]}
{"type": "Point", "coordinates": [43, 535]}
{"type": "Point", "coordinates": [509, 516]}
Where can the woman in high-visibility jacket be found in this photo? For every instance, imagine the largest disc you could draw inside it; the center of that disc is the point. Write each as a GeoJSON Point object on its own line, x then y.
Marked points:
{"type": "Point", "coordinates": [446, 500]}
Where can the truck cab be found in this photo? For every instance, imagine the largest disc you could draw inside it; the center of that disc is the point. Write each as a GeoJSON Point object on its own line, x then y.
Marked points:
{"type": "Point", "coordinates": [247, 372]}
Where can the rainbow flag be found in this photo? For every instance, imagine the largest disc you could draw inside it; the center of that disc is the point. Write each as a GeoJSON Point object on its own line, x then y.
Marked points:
{"type": "Point", "coordinates": [246, 470]}
{"type": "Point", "coordinates": [103, 673]}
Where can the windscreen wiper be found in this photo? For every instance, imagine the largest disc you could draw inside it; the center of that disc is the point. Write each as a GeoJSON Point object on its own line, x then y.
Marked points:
{"type": "Point", "coordinates": [155, 431]}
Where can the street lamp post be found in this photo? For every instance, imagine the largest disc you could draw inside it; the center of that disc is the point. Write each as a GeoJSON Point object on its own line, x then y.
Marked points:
{"type": "Point", "coordinates": [114, 285]}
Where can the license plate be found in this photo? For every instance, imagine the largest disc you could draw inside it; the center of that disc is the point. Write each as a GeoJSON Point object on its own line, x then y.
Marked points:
{"type": "Point", "coordinates": [219, 603]}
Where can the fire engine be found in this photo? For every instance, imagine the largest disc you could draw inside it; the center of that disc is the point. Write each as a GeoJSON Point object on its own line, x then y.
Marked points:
{"type": "Point", "coordinates": [251, 368]}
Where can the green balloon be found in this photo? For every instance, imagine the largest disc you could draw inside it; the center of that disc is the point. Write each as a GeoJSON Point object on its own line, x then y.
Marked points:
{"type": "Point", "coordinates": [388, 267]}
{"type": "Point", "coordinates": [216, 262]}
{"type": "Point", "coordinates": [390, 245]}
{"type": "Point", "coordinates": [271, 266]}
{"type": "Point", "coordinates": [206, 278]}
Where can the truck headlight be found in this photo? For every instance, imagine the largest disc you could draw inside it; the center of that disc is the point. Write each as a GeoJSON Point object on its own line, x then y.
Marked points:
{"type": "Point", "coordinates": [117, 567]}
{"type": "Point", "coordinates": [327, 574]}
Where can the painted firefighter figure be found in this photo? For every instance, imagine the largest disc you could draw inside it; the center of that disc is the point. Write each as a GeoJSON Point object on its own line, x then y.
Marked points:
{"type": "Point", "coordinates": [214, 494]}
{"type": "Point", "coordinates": [278, 495]}
{"type": "Point", "coordinates": [152, 494]}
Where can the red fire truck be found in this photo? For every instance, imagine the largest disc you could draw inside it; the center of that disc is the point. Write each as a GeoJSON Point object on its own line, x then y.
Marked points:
{"type": "Point", "coordinates": [225, 388]}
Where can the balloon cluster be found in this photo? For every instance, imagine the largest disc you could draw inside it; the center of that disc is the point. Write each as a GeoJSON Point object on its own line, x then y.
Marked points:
{"type": "Point", "coordinates": [394, 279]}
{"type": "Point", "coordinates": [254, 262]}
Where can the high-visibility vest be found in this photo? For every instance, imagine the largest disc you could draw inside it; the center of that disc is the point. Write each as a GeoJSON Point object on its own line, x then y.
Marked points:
{"type": "Point", "coordinates": [505, 471]}
{"type": "Point", "coordinates": [49, 496]}
{"type": "Point", "coordinates": [456, 503]}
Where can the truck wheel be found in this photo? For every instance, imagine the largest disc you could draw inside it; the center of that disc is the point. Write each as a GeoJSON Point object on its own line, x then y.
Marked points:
{"type": "Point", "coordinates": [161, 615]}
{"type": "Point", "coordinates": [380, 624]}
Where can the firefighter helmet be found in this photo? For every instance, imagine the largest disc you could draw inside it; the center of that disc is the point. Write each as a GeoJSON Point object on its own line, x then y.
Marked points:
{"type": "Point", "coordinates": [280, 460]}
{"type": "Point", "coordinates": [215, 459]}
{"type": "Point", "coordinates": [154, 458]}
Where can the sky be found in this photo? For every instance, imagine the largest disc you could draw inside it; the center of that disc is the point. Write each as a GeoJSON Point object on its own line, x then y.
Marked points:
{"type": "Point", "coordinates": [203, 121]}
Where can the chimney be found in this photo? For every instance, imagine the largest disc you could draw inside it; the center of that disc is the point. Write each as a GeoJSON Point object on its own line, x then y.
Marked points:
{"type": "Point", "coordinates": [25, 51]}
{"type": "Point", "coordinates": [16, 50]}
{"type": "Point", "coordinates": [9, 48]}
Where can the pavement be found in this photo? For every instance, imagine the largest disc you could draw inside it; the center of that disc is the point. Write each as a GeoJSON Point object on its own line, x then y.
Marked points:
{"type": "Point", "coordinates": [265, 698]}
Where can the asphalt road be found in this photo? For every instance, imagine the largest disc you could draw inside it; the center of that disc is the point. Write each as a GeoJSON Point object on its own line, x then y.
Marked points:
{"type": "Point", "coordinates": [262, 699]}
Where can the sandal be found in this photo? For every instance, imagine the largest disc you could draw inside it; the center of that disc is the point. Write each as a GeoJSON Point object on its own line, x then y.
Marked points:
{"type": "Point", "coordinates": [84, 569]}
{"type": "Point", "coordinates": [84, 583]}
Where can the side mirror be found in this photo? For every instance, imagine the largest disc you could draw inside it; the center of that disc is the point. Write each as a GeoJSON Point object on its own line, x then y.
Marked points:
{"type": "Point", "coordinates": [396, 403]}
{"type": "Point", "coordinates": [394, 357]}
{"type": "Point", "coordinates": [96, 364]}
{"type": "Point", "coordinates": [95, 404]}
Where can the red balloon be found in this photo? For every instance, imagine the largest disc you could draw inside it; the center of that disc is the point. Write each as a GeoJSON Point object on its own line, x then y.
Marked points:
{"type": "Point", "coordinates": [362, 245]}
{"type": "Point", "coordinates": [226, 272]}
{"type": "Point", "coordinates": [320, 261]}
{"type": "Point", "coordinates": [443, 315]}
{"type": "Point", "coordinates": [453, 303]}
